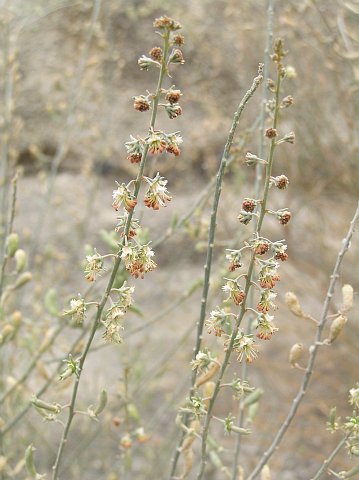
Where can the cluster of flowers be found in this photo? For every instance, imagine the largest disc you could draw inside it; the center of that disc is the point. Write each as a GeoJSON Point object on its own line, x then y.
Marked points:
{"type": "Point", "coordinates": [138, 258]}
{"type": "Point", "coordinates": [156, 142]}
{"type": "Point", "coordinates": [220, 320]}
{"type": "Point", "coordinates": [249, 205]}
{"type": "Point", "coordinates": [116, 312]}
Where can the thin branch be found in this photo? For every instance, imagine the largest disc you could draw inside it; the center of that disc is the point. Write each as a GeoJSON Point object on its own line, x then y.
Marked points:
{"type": "Point", "coordinates": [212, 230]}
{"type": "Point", "coordinates": [247, 288]}
{"type": "Point", "coordinates": [259, 174]}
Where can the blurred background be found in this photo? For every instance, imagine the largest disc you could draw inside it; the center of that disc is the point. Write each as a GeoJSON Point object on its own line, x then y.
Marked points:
{"type": "Point", "coordinates": [68, 74]}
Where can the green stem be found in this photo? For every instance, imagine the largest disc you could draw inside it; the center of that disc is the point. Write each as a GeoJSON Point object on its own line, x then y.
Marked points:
{"type": "Point", "coordinates": [211, 236]}
{"type": "Point", "coordinates": [116, 266]}
{"type": "Point", "coordinates": [246, 290]}
{"type": "Point", "coordinates": [258, 181]}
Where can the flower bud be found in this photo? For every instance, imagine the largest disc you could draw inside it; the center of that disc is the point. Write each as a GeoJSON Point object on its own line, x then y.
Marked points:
{"type": "Point", "coordinates": [6, 333]}
{"type": "Point", "coordinates": [287, 101]}
{"type": "Point", "coordinates": [245, 217]}
{"type": "Point", "coordinates": [173, 95]}
{"type": "Point", "coordinates": [100, 407]}
{"type": "Point", "coordinates": [156, 53]}
{"type": "Point", "coordinates": [271, 133]}
{"type": "Point", "coordinates": [280, 182]}
{"type": "Point", "coordinates": [348, 296]}
{"type": "Point", "coordinates": [253, 397]}
{"type": "Point", "coordinates": [295, 354]}
{"type": "Point", "coordinates": [271, 85]}
{"type": "Point", "coordinates": [253, 159]}
{"type": "Point", "coordinates": [22, 280]}
{"type": "Point", "coordinates": [141, 103]}
{"type": "Point", "coordinates": [261, 247]}
{"type": "Point", "coordinates": [51, 407]}
{"type": "Point", "coordinates": [141, 436]}
{"type": "Point", "coordinates": [252, 411]}
{"type": "Point", "coordinates": [168, 23]}
{"type": "Point", "coordinates": [126, 441]}
{"type": "Point", "coordinates": [176, 56]}
{"type": "Point", "coordinates": [289, 138]}
{"type": "Point", "coordinates": [293, 304]}
{"type": "Point", "coordinates": [116, 421]}
{"type": "Point", "coordinates": [16, 318]}
{"type": "Point", "coordinates": [335, 328]}
{"type": "Point", "coordinates": [249, 205]}
{"type": "Point", "coordinates": [102, 403]}
{"type": "Point", "coordinates": [284, 216]}
{"type": "Point", "coordinates": [332, 424]}
{"type": "Point", "coordinates": [29, 461]}
{"type": "Point", "coordinates": [145, 63]}
{"type": "Point", "coordinates": [265, 474]}
{"type": "Point", "coordinates": [12, 243]}
{"type": "Point", "coordinates": [21, 260]}
{"type": "Point", "coordinates": [290, 72]}
{"type": "Point", "coordinates": [178, 40]}
{"type": "Point", "coordinates": [133, 412]}
{"type": "Point", "coordinates": [173, 110]}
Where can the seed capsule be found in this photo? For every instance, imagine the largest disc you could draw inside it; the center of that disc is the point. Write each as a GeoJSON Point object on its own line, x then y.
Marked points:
{"type": "Point", "coordinates": [293, 304]}
{"type": "Point", "coordinates": [336, 327]}
{"type": "Point", "coordinates": [348, 296]}
{"type": "Point", "coordinates": [20, 259]}
{"type": "Point", "coordinates": [12, 243]}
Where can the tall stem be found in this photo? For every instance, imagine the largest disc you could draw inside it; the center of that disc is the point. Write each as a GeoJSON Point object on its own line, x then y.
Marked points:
{"type": "Point", "coordinates": [257, 186]}
{"type": "Point", "coordinates": [116, 266]}
{"type": "Point", "coordinates": [246, 290]}
{"type": "Point", "coordinates": [211, 236]}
